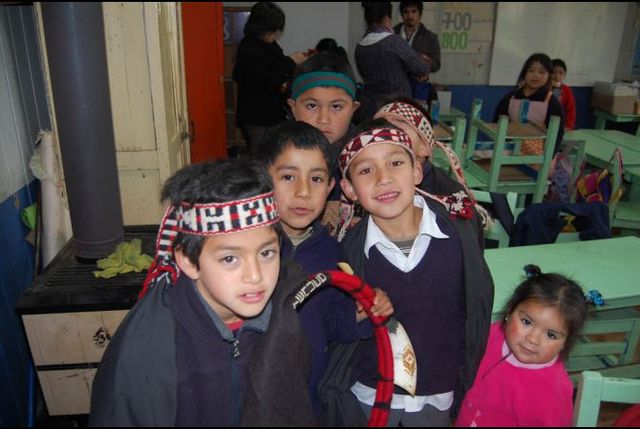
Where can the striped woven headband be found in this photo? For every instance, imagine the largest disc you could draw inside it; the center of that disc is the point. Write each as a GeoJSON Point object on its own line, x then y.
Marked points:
{"type": "Point", "coordinates": [205, 220]}
{"type": "Point", "coordinates": [306, 81]}
{"type": "Point", "coordinates": [411, 115]}
{"type": "Point", "coordinates": [374, 136]}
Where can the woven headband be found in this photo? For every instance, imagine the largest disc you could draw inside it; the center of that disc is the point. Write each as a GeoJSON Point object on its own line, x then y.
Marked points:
{"type": "Point", "coordinates": [375, 136]}
{"type": "Point", "coordinates": [412, 116]}
{"type": "Point", "coordinates": [205, 220]}
{"type": "Point", "coordinates": [306, 81]}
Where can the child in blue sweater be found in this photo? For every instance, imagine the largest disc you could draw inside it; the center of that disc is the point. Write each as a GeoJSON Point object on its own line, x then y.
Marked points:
{"type": "Point", "coordinates": [296, 155]}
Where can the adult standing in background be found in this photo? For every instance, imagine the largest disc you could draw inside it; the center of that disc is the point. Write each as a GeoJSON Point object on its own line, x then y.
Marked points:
{"type": "Point", "coordinates": [262, 72]}
{"type": "Point", "coordinates": [385, 61]}
{"type": "Point", "coordinates": [423, 41]}
{"type": "Point", "coordinates": [416, 34]}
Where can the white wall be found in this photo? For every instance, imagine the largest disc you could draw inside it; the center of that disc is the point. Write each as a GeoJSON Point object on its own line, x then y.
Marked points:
{"type": "Point", "coordinates": [629, 36]}
{"type": "Point", "coordinates": [16, 135]}
{"type": "Point", "coordinates": [308, 22]}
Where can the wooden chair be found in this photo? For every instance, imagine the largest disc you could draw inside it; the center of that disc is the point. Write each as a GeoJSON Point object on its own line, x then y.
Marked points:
{"type": "Point", "coordinates": [501, 172]}
{"type": "Point", "coordinates": [497, 232]}
{"type": "Point", "coordinates": [453, 135]}
{"type": "Point", "coordinates": [593, 389]}
{"type": "Point", "coordinates": [607, 344]}
{"type": "Point", "coordinates": [622, 214]}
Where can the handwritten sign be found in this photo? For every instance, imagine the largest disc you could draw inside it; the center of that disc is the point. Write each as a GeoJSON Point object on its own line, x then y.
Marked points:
{"type": "Point", "coordinates": [466, 35]}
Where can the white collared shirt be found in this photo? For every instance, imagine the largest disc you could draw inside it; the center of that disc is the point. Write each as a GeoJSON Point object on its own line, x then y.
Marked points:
{"type": "Point", "coordinates": [375, 237]}
{"type": "Point", "coordinates": [428, 228]}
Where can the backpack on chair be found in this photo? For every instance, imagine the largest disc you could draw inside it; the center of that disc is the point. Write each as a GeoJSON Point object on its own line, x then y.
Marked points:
{"type": "Point", "coordinates": [597, 186]}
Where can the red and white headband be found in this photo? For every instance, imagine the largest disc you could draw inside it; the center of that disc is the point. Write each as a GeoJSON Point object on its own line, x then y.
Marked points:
{"type": "Point", "coordinates": [206, 220]}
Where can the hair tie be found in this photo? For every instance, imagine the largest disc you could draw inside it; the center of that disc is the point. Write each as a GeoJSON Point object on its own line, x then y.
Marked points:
{"type": "Point", "coordinates": [531, 271]}
{"type": "Point", "coordinates": [594, 297]}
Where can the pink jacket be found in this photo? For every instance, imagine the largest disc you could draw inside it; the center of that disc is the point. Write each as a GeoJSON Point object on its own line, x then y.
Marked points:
{"type": "Point", "coordinates": [509, 393]}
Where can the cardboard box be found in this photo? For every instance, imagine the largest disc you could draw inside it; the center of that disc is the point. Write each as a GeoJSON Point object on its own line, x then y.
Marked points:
{"type": "Point", "coordinates": [616, 104]}
{"type": "Point", "coordinates": [616, 98]}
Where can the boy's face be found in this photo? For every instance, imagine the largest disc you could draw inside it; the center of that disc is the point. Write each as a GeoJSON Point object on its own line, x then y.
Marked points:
{"type": "Point", "coordinates": [383, 179]}
{"type": "Point", "coordinates": [302, 183]}
{"type": "Point", "coordinates": [329, 109]}
{"type": "Point", "coordinates": [558, 75]}
{"type": "Point", "coordinates": [238, 272]}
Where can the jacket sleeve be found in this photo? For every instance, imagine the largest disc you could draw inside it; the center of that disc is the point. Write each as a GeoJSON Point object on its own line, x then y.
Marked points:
{"type": "Point", "coordinates": [569, 107]}
{"type": "Point", "coordinates": [434, 51]}
{"type": "Point", "coordinates": [136, 382]}
{"type": "Point", "coordinates": [556, 109]}
{"type": "Point", "coordinates": [411, 59]}
{"type": "Point", "coordinates": [261, 68]}
{"type": "Point", "coordinates": [503, 107]}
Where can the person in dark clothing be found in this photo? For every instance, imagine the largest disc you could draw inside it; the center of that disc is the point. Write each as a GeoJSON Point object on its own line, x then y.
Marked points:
{"type": "Point", "coordinates": [534, 85]}
{"type": "Point", "coordinates": [297, 157]}
{"type": "Point", "coordinates": [262, 72]}
{"type": "Point", "coordinates": [212, 341]}
{"type": "Point", "coordinates": [421, 39]}
{"type": "Point", "coordinates": [385, 61]}
{"type": "Point", "coordinates": [428, 262]}
{"type": "Point", "coordinates": [424, 41]}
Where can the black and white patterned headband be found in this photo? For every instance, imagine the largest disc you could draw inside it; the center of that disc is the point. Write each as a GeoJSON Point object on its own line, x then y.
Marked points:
{"type": "Point", "coordinates": [206, 220]}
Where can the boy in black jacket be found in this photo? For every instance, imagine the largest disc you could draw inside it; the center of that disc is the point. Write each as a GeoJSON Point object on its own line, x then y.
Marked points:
{"type": "Point", "coordinates": [212, 341]}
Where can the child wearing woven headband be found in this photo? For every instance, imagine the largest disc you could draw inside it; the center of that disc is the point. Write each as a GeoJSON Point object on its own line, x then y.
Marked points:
{"type": "Point", "coordinates": [429, 264]}
{"type": "Point", "coordinates": [201, 345]}
{"type": "Point", "coordinates": [323, 94]}
{"type": "Point", "coordinates": [410, 117]}
{"type": "Point", "coordinates": [522, 380]}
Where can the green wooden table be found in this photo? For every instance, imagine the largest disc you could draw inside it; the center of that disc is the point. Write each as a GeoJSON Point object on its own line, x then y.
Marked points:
{"type": "Point", "coordinates": [611, 266]}
{"type": "Point", "coordinates": [602, 117]}
{"type": "Point", "coordinates": [600, 144]}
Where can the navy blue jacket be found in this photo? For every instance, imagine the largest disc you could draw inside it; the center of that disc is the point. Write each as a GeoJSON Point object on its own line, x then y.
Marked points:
{"type": "Point", "coordinates": [329, 315]}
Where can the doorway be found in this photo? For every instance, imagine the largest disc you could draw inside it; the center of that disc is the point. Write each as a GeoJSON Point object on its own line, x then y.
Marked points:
{"type": "Point", "coordinates": [234, 19]}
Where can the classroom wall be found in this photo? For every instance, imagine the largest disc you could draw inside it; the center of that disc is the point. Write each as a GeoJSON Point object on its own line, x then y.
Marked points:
{"type": "Point", "coordinates": [23, 113]}
{"type": "Point", "coordinates": [629, 45]}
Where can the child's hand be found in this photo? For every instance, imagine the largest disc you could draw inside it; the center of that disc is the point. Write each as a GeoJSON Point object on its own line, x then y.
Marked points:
{"type": "Point", "coordinates": [381, 306]}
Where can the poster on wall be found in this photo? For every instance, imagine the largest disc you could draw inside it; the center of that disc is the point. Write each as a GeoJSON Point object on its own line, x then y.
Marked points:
{"type": "Point", "coordinates": [465, 30]}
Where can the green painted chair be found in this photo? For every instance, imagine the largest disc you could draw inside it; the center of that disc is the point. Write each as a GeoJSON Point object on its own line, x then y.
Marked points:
{"type": "Point", "coordinates": [593, 389]}
{"type": "Point", "coordinates": [623, 214]}
{"type": "Point", "coordinates": [452, 135]}
{"type": "Point", "coordinates": [501, 172]}
{"type": "Point", "coordinates": [497, 232]}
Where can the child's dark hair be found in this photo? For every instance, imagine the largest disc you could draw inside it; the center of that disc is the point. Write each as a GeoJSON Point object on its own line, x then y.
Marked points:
{"type": "Point", "coordinates": [553, 290]}
{"type": "Point", "coordinates": [265, 17]}
{"type": "Point", "coordinates": [326, 62]}
{"type": "Point", "coordinates": [331, 46]}
{"type": "Point", "coordinates": [406, 4]}
{"type": "Point", "coordinates": [213, 182]}
{"type": "Point", "coordinates": [544, 60]}
{"type": "Point", "coordinates": [298, 134]}
{"type": "Point", "coordinates": [374, 11]}
{"type": "Point", "coordinates": [557, 62]}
